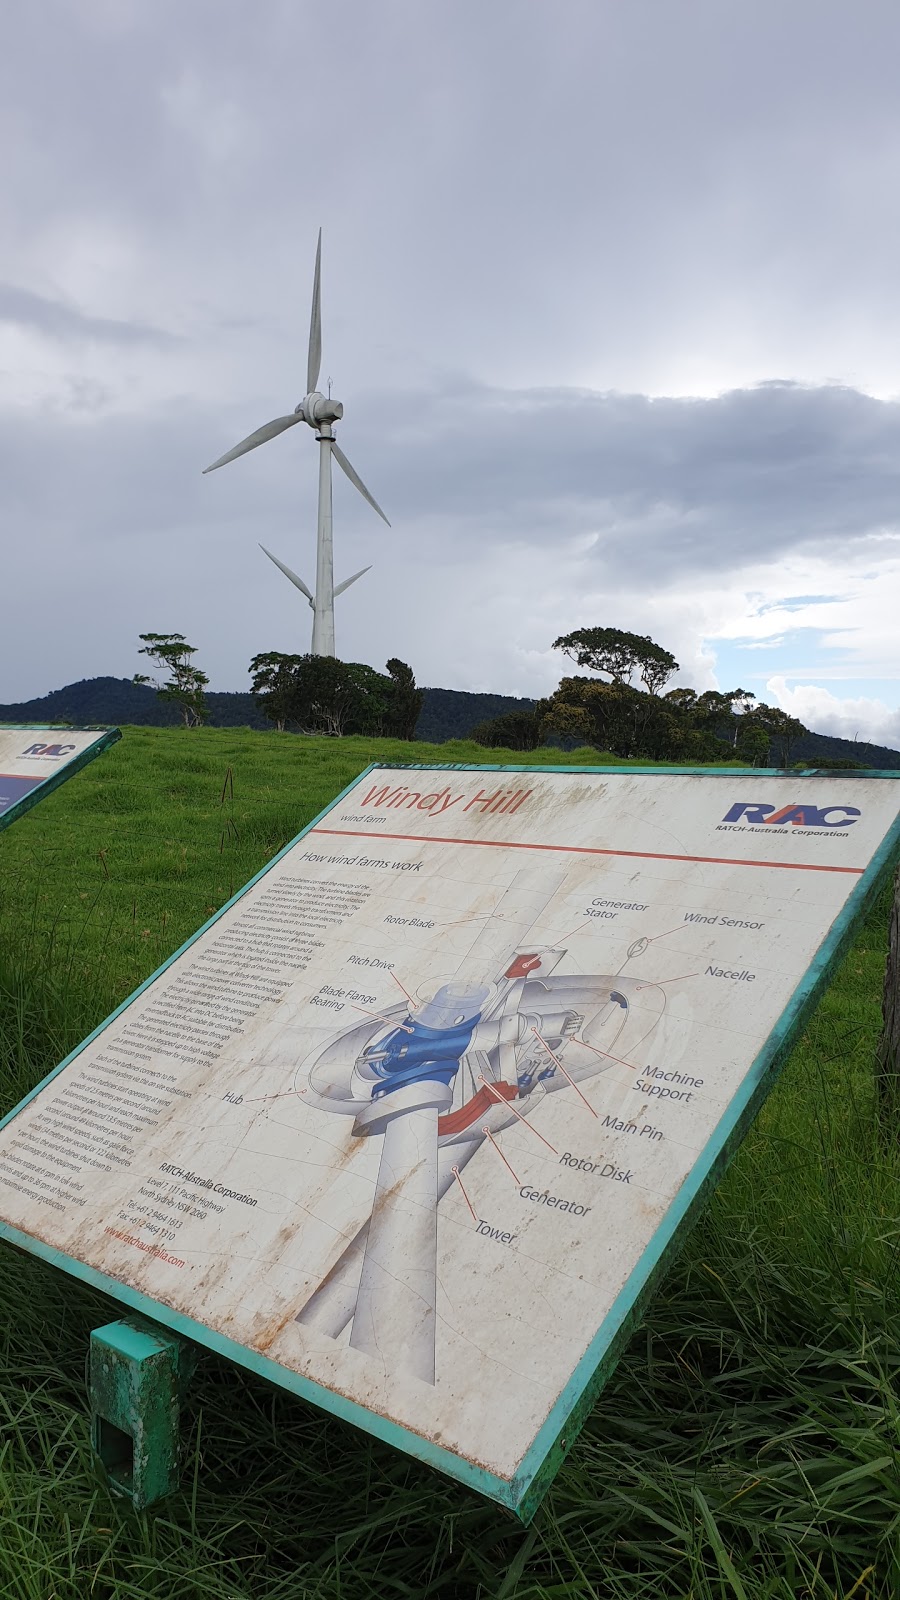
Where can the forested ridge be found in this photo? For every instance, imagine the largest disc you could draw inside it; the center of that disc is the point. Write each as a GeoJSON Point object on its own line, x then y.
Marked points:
{"type": "Point", "coordinates": [446, 714]}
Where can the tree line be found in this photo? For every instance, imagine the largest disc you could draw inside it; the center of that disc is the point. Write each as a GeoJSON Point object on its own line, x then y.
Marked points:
{"type": "Point", "coordinates": [302, 693]}
{"type": "Point", "coordinates": [320, 694]}
{"type": "Point", "coordinates": [626, 709]}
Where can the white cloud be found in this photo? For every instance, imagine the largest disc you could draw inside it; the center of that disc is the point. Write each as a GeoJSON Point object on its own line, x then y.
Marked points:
{"type": "Point", "coordinates": [852, 632]}
{"type": "Point", "coordinates": [824, 712]}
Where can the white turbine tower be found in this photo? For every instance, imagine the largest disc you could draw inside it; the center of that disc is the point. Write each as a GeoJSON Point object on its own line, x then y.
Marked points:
{"type": "Point", "coordinates": [320, 413]}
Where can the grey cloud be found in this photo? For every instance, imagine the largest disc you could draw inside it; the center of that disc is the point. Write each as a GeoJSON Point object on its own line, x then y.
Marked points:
{"type": "Point", "coordinates": [669, 484]}
{"type": "Point", "coordinates": [589, 194]}
{"type": "Point", "coordinates": [28, 310]}
{"type": "Point", "coordinates": [719, 483]}
{"type": "Point", "coordinates": [606, 492]}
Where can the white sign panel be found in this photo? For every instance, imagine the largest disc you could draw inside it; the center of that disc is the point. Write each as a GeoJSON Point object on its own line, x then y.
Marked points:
{"type": "Point", "coordinates": [409, 1124]}
{"type": "Point", "coordinates": [35, 760]}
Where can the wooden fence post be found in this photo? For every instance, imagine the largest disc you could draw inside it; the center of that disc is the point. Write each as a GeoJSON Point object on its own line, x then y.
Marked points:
{"type": "Point", "coordinates": [888, 1062]}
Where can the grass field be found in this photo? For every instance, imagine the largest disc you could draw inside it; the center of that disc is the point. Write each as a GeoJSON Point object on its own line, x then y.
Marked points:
{"type": "Point", "coordinates": [748, 1444]}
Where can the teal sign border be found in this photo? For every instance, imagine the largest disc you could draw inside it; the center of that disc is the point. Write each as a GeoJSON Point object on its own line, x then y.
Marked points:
{"type": "Point", "coordinates": [54, 779]}
{"type": "Point", "coordinates": [523, 1492]}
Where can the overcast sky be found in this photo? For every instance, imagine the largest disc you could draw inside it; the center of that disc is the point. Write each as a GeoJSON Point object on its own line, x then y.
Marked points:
{"type": "Point", "coordinates": [611, 296]}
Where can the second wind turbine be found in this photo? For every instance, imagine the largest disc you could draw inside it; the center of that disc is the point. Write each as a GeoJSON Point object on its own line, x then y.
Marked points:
{"type": "Point", "coordinates": [320, 413]}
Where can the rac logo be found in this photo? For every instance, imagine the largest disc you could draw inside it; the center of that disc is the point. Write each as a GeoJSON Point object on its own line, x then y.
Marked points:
{"type": "Point", "coordinates": [800, 816]}
{"type": "Point", "coordinates": [51, 752]}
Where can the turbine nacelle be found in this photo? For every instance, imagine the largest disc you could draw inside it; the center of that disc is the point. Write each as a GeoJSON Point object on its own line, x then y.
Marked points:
{"type": "Point", "coordinates": [319, 410]}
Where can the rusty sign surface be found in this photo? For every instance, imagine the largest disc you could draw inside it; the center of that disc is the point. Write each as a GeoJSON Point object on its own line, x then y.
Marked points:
{"type": "Point", "coordinates": [35, 760]}
{"type": "Point", "coordinates": [410, 1126]}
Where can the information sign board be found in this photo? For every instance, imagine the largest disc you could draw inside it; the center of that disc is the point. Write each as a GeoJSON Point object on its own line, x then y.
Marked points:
{"type": "Point", "coordinates": [410, 1126]}
{"type": "Point", "coordinates": [35, 760]}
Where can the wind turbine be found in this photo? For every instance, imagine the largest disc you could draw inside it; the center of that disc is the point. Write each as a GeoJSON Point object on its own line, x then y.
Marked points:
{"type": "Point", "coordinates": [320, 413]}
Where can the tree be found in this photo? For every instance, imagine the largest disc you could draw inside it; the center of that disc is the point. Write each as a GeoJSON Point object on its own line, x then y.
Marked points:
{"type": "Point", "coordinates": [830, 764]}
{"type": "Point", "coordinates": [679, 726]}
{"type": "Point", "coordinates": [186, 683]}
{"type": "Point", "coordinates": [372, 704]}
{"type": "Point", "coordinates": [516, 730]}
{"type": "Point", "coordinates": [615, 717]}
{"type": "Point", "coordinates": [714, 717]}
{"type": "Point", "coordinates": [684, 700]}
{"type": "Point", "coordinates": [405, 703]}
{"type": "Point", "coordinates": [752, 742]}
{"type": "Point", "coordinates": [741, 701]}
{"type": "Point", "coordinates": [333, 697]}
{"type": "Point", "coordinates": [274, 682]}
{"type": "Point", "coordinates": [715, 711]}
{"type": "Point", "coordinates": [782, 730]}
{"type": "Point", "coordinates": [320, 694]}
{"type": "Point", "coordinates": [619, 655]}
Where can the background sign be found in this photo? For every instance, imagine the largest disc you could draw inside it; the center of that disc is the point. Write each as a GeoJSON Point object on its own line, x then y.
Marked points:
{"type": "Point", "coordinates": [35, 760]}
{"type": "Point", "coordinates": [410, 1125]}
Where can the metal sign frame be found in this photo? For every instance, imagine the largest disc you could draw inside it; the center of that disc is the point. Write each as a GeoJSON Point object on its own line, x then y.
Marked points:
{"type": "Point", "coordinates": [522, 1493]}
{"type": "Point", "coordinates": [109, 736]}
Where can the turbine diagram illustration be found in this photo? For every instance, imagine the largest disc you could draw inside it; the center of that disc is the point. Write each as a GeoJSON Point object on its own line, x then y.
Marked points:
{"type": "Point", "coordinates": [437, 1079]}
{"type": "Point", "coordinates": [320, 413]}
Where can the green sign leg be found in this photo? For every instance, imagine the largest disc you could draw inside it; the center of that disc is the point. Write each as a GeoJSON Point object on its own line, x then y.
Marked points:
{"type": "Point", "coordinates": [138, 1376]}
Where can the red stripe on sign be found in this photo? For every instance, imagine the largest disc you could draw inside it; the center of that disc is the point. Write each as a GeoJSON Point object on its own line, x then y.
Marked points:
{"type": "Point", "coordinates": [589, 850]}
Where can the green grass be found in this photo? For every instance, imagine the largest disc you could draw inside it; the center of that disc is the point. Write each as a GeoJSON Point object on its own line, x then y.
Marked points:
{"type": "Point", "coordinates": [748, 1444]}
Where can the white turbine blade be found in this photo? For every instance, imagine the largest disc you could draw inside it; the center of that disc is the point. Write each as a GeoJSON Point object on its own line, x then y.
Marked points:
{"type": "Point", "coordinates": [356, 480]}
{"type": "Point", "coordinates": [314, 359]}
{"type": "Point", "coordinates": [269, 431]}
{"type": "Point", "coordinates": [292, 575]}
{"type": "Point", "coordinates": [347, 581]}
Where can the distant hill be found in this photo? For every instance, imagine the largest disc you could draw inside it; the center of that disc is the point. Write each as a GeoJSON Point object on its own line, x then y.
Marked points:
{"type": "Point", "coordinates": [819, 748]}
{"type": "Point", "coordinates": [446, 714]}
{"type": "Point", "coordinates": [453, 713]}
{"type": "Point", "coordinates": [101, 700]}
